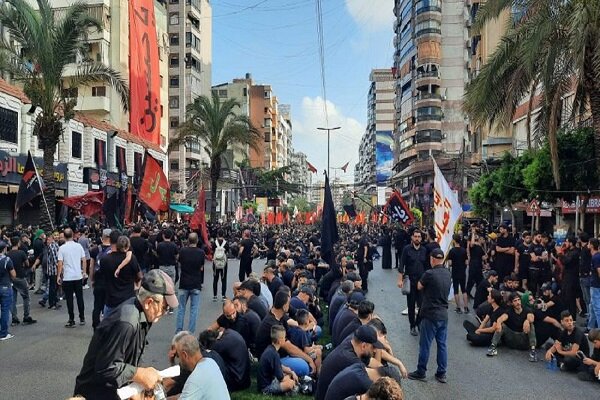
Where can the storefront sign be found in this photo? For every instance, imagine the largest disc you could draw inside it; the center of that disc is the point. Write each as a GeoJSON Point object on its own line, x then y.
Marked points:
{"type": "Point", "coordinates": [593, 206]}
{"type": "Point", "coordinates": [12, 167]}
{"type": "Point", "coordinates": [97, 179]}
{"type": "Point", "coordinates": [77, 188]}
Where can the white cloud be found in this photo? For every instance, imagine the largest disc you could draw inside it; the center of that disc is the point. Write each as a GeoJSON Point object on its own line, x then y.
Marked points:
{"type": "Point", "coordinates": [344, 142]}
{"type": "Point", "coordinates": [372, 15]}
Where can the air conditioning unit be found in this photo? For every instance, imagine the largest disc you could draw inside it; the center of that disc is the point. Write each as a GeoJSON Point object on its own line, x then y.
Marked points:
{"type": "Point", "coordinates": [468, 43]}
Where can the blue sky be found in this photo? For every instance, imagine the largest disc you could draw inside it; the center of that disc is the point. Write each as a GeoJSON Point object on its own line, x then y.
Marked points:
{"type": "Point", "coordinates": [276, 41]}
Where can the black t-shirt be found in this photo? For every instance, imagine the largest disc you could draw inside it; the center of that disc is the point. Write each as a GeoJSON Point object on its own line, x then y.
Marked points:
{"type": "Point", "coordinates": [275, 285]}
{"type": "Point", "coordinates": [495, 314]}
{"type": "Point", "coordinates": [263, 335]}
{"type": "Point", "coordinates": [167, 252]}
{"type": "Point", "coordinates": [246, 255]}
{"type": "Point", "coordinates": [191, 260]}
{"type": "Point", "coordinates": [360, 252]}
{"type": "Point", "coordinates": [341, 357]}
{"type": "Point", "coordinates": [240, 324]}
{"type": "Point", "coordinates": [232, 348]}
{"type": "Point", "coordinates": [269, 367]}
{"type": "Point", "coordinates": [287, 277]}
{"type": "Point", "coordinates": [556, 309]}
{"type": "Point", "coordinates": [515, 321]}
{"type": "Point", "coordinates": [253, 323]}
{"type": "Point", "coordinates": [436, 282]}
{"type": "Point", "coordinates": [567, 340]}
{"type": "Point", "coordinates": [458, 256]}
{"type": "Point", "coordinates": [122, 288]}
{"type": "Point", "coordinates": [353, 380]}
{"type": "Point", "coordinates": [344, 318]}
{"type": "Point", "coordinates": [476, 256]}
{"type": "Point", "coordinates": [139, 247]}
{"type": "Point", "coordinates": [6, 266]}
{"type": "Point", "coordinates": [481, 293]}
{"type": "Point", "coordinates": [585, 261]}
{"type": "Point", "coordinates": [99, 274]}
{"type": "Point", "coordinates": [18, 257]}
{"type": "Point", "coordinates": [524, 256]}
{"type": "Point", "coordinates": [505, 260]}
{"type": "Point", "coordinates": [538, 249]}
{"type": "Point", "coordinates": [257, 306]}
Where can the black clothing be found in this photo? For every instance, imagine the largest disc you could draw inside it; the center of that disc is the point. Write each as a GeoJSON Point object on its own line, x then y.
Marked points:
{"type": "Point", "coordinates": [269, 367]}
{"type": "Point", "coordinates": [232, 348]}
{"type": "Point", "coordinates": [180, 380]}
{"type": "Point", "coordinates": [99, 274]}
{"type": "Point", "coordinates": [167, 253]}
{"type": "Point", "coordinates": [481, 293]}
{"type": "Point", "coordinates": [6, 266]}
{"type": "Point", "coordinates": [344, 318]}
{"type": "Point", "coordinates": [287, 277]}
{"type": "Point", "coordinates": [240, 324]}
{"type": "Point", "coordinates": [122, 288]}
{"type": "Point", "coordinates": [337, 301]}
{"type": "Point", "coordinates": [386, 256]}
{"type": "Point", "coordinates": [253, 322]}
{"type": "Point", "coordinates": [413, 262]}
{"type": "Point", "coordinates": [257, 306]}
{"type": "Point", "coordinates": [351, 381]}
{"type": "Point", "coordinates": [191, 260]}
{"type": "Point", "coordinates": [575, 337]}
{"type": "Point", "coordinates": [585, 261]}
{"type": "Point", "coordinates": [436, 282]}
{"type": "Point", "coordinates": [274, 285]}
{"type": "Point", "coordinates": [263, 335]}
{"type": "Point", "coordinates": [139, 248]}
{"type": "Point", "coordinates": [515, 321]}
{"type": "Point", "coordinates": [504, 262]}
{"type": "Point", "coordinates": [19, 257]}
{"type": "Point", "coordinates": [341, 357]}
{"type": "Point", "coordinates": [114, 352]}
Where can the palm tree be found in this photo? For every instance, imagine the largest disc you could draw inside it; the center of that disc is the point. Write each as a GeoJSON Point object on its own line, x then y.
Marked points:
{"type": "Point", "coordinates": [553, 45]}
{"type": "Point", "coordinates": [46, 45]}
{"type": "Point", "coordinates": [216, 125]}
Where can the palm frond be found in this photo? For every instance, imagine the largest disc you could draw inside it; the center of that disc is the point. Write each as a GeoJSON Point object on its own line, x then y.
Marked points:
{"type": "Point", "coordinates": [490, 11]}
{"type": "Point", "coordinates": [93, 72]}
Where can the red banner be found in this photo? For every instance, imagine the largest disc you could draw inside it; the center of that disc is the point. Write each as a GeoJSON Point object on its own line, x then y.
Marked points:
{"type": "Point", "coordinates": [144, 72]}
{"type": "Point", "coordinates": [88, 204]}
{"type": "Point", "coordinates": [198, 221]}
{"type": "Point", "coordinates": [128, 206]}
{"type": "Point", "coordinates": [155, 191]}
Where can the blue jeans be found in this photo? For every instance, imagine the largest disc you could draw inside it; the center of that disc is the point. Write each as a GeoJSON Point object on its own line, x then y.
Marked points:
{"type": "Point", "coordinates": [429, 330]}
{"type": "Point", "coordinates": [594, 308]}
{"type": "Point", "coordinates": [585, 282]}
{"type": "Point", "coordinates": [296, 364]}
{"type": "Point", "coordinates": [194, 296]}
{"type": "Point", "coordinates": [6, 298]}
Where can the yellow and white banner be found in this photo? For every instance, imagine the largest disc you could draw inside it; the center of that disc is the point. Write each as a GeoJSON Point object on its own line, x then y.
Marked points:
{"type": "Point", "coordinates": [447, 209]}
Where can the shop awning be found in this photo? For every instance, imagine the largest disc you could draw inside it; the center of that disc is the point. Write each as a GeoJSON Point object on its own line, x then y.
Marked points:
{"type": "Point", "coordinates": [181, 208]}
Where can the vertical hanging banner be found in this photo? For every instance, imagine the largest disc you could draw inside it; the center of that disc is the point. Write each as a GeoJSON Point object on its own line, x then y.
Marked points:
{"type": "Point", "coordinates": [447, 209]}
{"type": "Point", "coordinates": [144, 72]}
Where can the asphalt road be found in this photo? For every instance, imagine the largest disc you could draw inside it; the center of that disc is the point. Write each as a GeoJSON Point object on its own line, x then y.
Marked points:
{"type": "Point", "coordinates": [42, 361]}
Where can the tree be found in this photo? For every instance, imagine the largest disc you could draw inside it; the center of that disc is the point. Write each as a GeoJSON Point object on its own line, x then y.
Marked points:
{"type": "Point", "coordinates": [301, 203]}
{"type": "Point", "coordinates": [550, 42]}
{"type": "Point", "coordinates": [273, 183]}
{"type": "Point", "coordinates": [46, 44]}
{"type": "Point", "coordinates": [216, 125]}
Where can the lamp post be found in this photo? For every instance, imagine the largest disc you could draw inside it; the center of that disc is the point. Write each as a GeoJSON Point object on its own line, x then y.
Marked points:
{"type": "Point", "coordinates": [328, 136]}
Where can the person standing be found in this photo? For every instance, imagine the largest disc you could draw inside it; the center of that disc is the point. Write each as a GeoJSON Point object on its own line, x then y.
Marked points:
{"type": "Point", "coordinates": [594, 309]}
{"type": "Point", "coordinates": [386, 247]}
{"type": "Point", "coordinates": [7, 274]}
{"type": "Point", "coordinates": [247, 249]}
{"type": "Point", "coordinates": [167, 254]}
{"type": "Point", "coordinates": [570, 276]}
{"type": "Point", "coordinates": [505, 253]}
{"type": "Point", "coordinates": [220, 251]}
{"type": "Point", "coordinates": [191, 259]}
{"type": "Point", "coordinates": [412, 265]}
{"type": "Point", "coordinates": [51, 294]}
{"type": "Point", "coordinates": [585, 263]}
{"type": "Point", "coordinates": [85, 243]}
{"type": "Point", "coordinates": [139, 247]}
{"type": "Point", "coordinates": [362, 258]}
{"type": "Point", "coordinates": [97, 277]}
{"type": "Point", "coordinates": [20, 286]}
{"type": "Point", "coordinates": [435, 286]}
{"type": "Point", "coordinates": [457, 259]}
{"type": "Point", "coordinates": [71, 264]}
{"type": "Point", "coordinates": [401, 240]}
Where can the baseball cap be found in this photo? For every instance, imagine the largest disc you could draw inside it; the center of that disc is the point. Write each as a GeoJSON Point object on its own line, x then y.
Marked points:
{"type": "Point", "coordinates": [158, 282]}
{"type": "Point", "coordinates": [356, 297]}
{"type": "Point", "coordinates": [493, 236]}
{"type": "Point", "coordinates": [367, 334]}
{"type": "Point", "coordinates": [438, 254]}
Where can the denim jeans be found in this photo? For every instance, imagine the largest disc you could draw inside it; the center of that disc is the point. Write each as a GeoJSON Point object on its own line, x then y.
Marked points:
{"type": "Point", "coordinates": [594, 308]}
{"type": "Point", "coordinates": [6, 298]}
{"type": "Point", "coordinates": [430, 330]}
{"type": "Point", "coordinates": [20, 287]}
{"type": "Point", "coordinates": [296, 364]}
{"type": "Point", "coordinates": [194, 296]}
{"type": "Point", "coordinates": [170, 270]}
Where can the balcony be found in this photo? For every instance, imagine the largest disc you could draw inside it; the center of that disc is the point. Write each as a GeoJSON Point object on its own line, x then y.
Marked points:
{"type": "Point", "coordinates": [93, 103]}
{"type": "Point", "coordinates": [428, 78]}
{"type": "Point", "coordinates": [424, 99]}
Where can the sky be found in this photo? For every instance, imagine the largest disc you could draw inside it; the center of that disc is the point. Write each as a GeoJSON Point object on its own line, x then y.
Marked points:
{"type": "Point", "coordinates": [276, 41]}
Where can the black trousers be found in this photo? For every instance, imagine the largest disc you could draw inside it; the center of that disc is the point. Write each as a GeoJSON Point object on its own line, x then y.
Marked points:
{"type": "Point", "coordinates": [363, 269]}
{"type": "Point", "coordinates": [413, 299]}
{"type": "Point", "coordinates": [477, 339]}
{"type": "Point", "coordinates": [398, 256]}
{"type": "Point", "coordinates": [223, 274]}
{"type": "Point", "coordinates": [475, 277]}
{"type": "Point", "coordinates": [76, 287]}
{"type": "Point", "coordinates": [52, 291]}
{"type": "Point", "coordinates": [99, 301]}
{"type": "Point", "coordinates": [245, 269]}
{"type": "Point", "coordinates": [569, 294]}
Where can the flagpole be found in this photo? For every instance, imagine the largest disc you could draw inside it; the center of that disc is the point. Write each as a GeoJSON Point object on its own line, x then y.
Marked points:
{"type": "Point", "coordinates": [43, 195]}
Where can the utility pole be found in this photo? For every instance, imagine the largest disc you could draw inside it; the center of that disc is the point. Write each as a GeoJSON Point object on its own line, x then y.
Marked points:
{"type": "Point", "coordinates": [328, 138]}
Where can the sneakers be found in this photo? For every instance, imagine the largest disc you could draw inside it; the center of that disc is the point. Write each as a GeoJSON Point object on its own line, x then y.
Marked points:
{"type": "Point", "coordinates": [42, 303]}
{"type": "Point", "coordinates": [70, 324]}
{"type": "Point", "coordinates": [8, 336]}
{"type": "Point", "coordinates": [492, 351]}
{"type": "Point", "coordinates": [86, 286]}
{"type": "Point", "coordinates": [82, 322]}
{"type": "Point", "coordinates": [29, 321]}
{"type": "Point", "coordinates": [214, 299]}
{"type": "Point", "coordinates": [467, 310]}
{"type": "Point", "coordinates": [533, 356]}
{"type": "Point", "coordinates": [413, 331]}
{"type": "Point", "coordinates": [15, 321]}
{"type": "Point", "coordinates": [417, 376]}
{"type": "Point", "coordinates": [55, 307]}
{"type": "Point", "coordinates": [458, 310]}
{"type": "Point", "coordinates": [441, 378]}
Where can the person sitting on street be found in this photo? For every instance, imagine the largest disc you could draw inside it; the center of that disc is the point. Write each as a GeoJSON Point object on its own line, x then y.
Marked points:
{"type": "Point", "coordinates": [248, 289]}
{"type": "Point", "coordinates": [482, 335]}
{"type": "Point", "coordinates": [345, 316]}
{"type": "Point", "coordinates": [515, 328]}
{"type": "Point", "coordinates": [252, 321]}
{"type": "Point", "coordinates": [482, 290]}
{"type": "Point", "coordinates": [301, 336]}
{"type": "Point", "coordinates": [547, 310]}
{"type": "Point", "coordinates": [339, 299]}
{"type": "Point", "coordinates": [591, 368]}
{"type": "Point", "coordinates": [357, 379]}
{"type": "Point", "coordinates": [571, 342]}
{"type": "Point", "coordinates": [365, 314]}
{"type": "Point", "coordinates": [231, 319]}
{"type": "Point", "coordinates": [273, 378]}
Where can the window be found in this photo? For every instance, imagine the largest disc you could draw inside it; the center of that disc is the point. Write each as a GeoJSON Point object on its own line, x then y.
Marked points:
{"type": "Point", "coordinates": [428, 5]}
{"type": "Point", "coordinates": [100, 153]}
{"type": "Point", "coordinates": [188, 39]}
{"type": "Point", "coordinates": [245, 92]}
{"type": "Point", "coordinates": [174, 60]}
{"type": "Point", "coordinates": [429, 113]}
{"type": "Point", "coordinates": [174, 18]}
{"type": "Point", "coordinates": [174, 81]}
{"type": "Point", "coordinates": [222, 92]}
{"type": "Point", "coordinates": [76, 144]}
{"type": "Point", "coordinates": [175, 165]}
{"type": "Point", "coordinates": [174, 39]}
{"type": "Point", "coordinates": [9, 125]}
{"type": "Point", "coordinates": [120, 159]}
{"type": "Point", "coordinates": [173, 102]}
{"type": "Point", "coordinates": [174, 1]}
{"type": "Point", "coordinates": [267, 136]}
{"type": "Point", "coordinates": [428, 26]}
{"type": "Point", "coordinates": [70, 93]}
{"type": "Point", "coordinates": [99, 91]}
{"type": "Point", "coordinates": [428, 135]}
{"type": "Point", "coordinates": [267, 94]}
{"type": "Point", "coordinates": [174, 122]}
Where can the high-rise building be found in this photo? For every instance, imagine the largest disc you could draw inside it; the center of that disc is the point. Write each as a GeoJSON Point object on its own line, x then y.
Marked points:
{"type": "Point", "coordinates": [376, 146]}
{"type": "Point", "coordinates": [190, 73]}
{"type": "Point", "coordinates": [300, 174]}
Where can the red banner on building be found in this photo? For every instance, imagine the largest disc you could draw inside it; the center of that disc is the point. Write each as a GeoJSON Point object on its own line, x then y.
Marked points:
{"type": "Point", "coordinates": [155, 191]}
{"type": "Point", "coordinates": [144, 72]}
{"type": "Point", "coordinates": [88, 204]}
{"type": "Point", "coordinates": [198, 221]}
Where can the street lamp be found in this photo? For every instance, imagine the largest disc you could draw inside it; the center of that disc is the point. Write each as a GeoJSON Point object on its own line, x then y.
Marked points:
{"type": "Point", "coordinates": [328, 133]}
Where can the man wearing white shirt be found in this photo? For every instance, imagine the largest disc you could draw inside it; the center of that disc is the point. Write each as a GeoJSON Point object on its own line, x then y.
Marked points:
{"type": "Point", "coordinates": [71, 264]}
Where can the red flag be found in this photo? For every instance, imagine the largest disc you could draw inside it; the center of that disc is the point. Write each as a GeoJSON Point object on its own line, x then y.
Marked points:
{"type": "Point", "coordinates": [270, 218]}
{"type": "Point", "coordinates": [128, 206]}
{"type": "Point", "coordinates": [155, 191]}
{"type": "Point", "coordinates": [311, 168]}
{"type": "Point", "coordinates": [279, 218]}
{"type": "Point", "coordinates": [345, 167]}
{"type": "Point", "coordinates": [198, 221]}
{"type": "Point", "coordinates": [88, 204]}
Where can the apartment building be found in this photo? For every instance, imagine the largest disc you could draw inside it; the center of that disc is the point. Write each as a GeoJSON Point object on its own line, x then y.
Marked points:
{"type": "Point", "coordinates": [189, 76]}
{"type": "Point", "coordinates": [300, 174]}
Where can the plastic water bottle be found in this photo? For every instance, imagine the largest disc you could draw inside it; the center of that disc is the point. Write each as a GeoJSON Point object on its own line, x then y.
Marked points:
{"type": "Point", "coordinates": [552, 364]}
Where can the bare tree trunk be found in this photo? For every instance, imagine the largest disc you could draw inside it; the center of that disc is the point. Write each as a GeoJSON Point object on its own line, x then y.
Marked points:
{"type": "Point", "coordinates": [48, 209]}
{"type": "Point", "coordinates": [595, 107]}
{"type": "Point", "coordinates": [215, 170]}
{"type": "Point", "coordinates": [529, 111]}
{"type": "Point", "coordinates": [552, 137]}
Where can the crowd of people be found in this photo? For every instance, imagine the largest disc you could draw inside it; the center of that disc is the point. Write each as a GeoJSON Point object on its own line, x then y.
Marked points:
{"type": "Point", "coordinates": [304, 324]}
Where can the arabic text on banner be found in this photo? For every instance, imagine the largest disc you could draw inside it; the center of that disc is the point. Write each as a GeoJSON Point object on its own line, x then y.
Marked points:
{"type": "Point", "coordinates": [447, 209]}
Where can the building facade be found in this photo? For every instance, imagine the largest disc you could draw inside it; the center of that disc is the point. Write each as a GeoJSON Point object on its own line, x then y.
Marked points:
{"type": "Point", "coordinates": [300, 174]}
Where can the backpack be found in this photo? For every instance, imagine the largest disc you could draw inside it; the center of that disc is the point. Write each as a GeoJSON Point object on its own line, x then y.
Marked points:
{"type": "Point", "coordinates": [220, 258]}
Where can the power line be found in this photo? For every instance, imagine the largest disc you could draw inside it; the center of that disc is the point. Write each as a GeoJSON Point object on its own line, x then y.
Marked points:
{"type": "Point", "coordinates": [321, 41]}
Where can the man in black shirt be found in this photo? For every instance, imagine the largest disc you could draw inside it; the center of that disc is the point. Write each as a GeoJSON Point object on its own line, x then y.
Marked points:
{"type": "Point", "coordinates": [401, 240]}
{"type": "Point", "coordinates": [139, 247]}
{"type": "Point", "coordinates": [571, 341]}
{"type": "Point", "coordinates": [505, 253]}
{"type": "Point", "coordinates": [191, 259]}
{"type": "Point", "coordinates": [457, 259]}
{"type": "Point", "coordinates": [232, 348]}
{"type": "Point", "coordinates": [20, 284]}
{"type": "Point", "coordinates": [248, 290]}
{"type": "Point", "coordinates": [363, 260]}
{"type": "Point", "coordinates": [412, 264]}
{"type": "Point", "coordinates": [585, 263]}
{"type": "Point", "coordinates": [252, 321]}
{"type": "Point", "coordinates": [570, 281]}
{"type": "Point", "coordinates": [357, 379]}
{"type": "Point", "coordinates": [167, 253]}
{"type": "Point", "coordinates": [7, 274]}
{"type": "Point", "coordinates": [482, 290]}
{"type": "Point", "coordinates": [119, 286]}
{"type": "Point", "coordinates": [515, 328]}
{"type": "Point", "coordinates": [435, 285]}
{"type": "Point", "coordinates": [523, 258]}
{"type": "Point", "coordinates": [97, 275]}
{"type": "Point", "coordinates": [538, 267]}
{"type": "Point", "coordinates": [119, 341]}
{"type": "Point", "coordinates": [247, 249]}
{"type": "Point", "coordinates": [273, 281]}
{"type": "Point", "coordinates": [482, 335]}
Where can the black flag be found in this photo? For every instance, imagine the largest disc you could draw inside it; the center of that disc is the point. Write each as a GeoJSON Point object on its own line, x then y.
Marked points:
{"type": "Point", "coordinates": [329, 229]}
{"type": "Point", "coordinates": [31, 184]}
{"type": "Point", "coordinates": [350, 210]}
